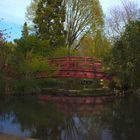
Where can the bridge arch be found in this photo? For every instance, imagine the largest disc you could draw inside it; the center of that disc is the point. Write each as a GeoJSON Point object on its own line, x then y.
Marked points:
{"type": "Point", "coordinates": [77, 67]}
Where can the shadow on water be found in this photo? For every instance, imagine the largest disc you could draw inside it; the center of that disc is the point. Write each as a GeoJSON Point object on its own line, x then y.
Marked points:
{"type": "Point", "coordinates": [28, 117]}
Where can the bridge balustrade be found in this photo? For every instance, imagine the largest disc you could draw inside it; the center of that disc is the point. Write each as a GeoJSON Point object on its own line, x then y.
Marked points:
{"type": "Point", "coordinates": [78, 67]}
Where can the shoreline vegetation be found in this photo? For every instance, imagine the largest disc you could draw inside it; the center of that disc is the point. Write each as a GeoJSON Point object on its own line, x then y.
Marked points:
{"type": "Point", "coordinates": [62, 87]}
{"type": "Point", "coordinates": [73, 93]}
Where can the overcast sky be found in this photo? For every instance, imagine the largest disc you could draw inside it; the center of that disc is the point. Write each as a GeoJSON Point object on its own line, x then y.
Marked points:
{"type": "Point", "coordinates": [13, 13]}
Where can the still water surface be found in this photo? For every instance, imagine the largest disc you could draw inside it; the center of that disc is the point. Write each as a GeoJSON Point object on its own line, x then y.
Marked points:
{"type": "Point", "coordinates": [29, 117]}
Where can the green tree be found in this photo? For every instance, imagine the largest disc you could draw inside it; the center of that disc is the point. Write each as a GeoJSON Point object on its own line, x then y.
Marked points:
{"type": "Point", "coordinates": [95, 43]}
{"type": "Point", "coordinates": [25, 31]}
{"type": "Point", "coordinates": [97, 46]}
{"type": "Point", "coordinates": [30, 56]}
{"type": "Point", "coordinates": [29, 61]}
{"type": "Point", "coordinates": [80, 17]}
{"type": "Point", "coordinates": [6, 51]}
{"type": "Point", "coordinates": [49, 22]}
{"type": "Point", "coordinates": [31, 10]}
{"type": "Point", "coordinates": [126, 57]}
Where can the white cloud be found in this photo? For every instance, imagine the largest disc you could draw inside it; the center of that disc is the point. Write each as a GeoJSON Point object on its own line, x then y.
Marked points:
{"type": "Point", "coordinates": [13, 10]}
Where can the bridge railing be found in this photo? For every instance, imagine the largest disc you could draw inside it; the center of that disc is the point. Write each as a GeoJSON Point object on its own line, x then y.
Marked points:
{"type": "Point", "coordinates": [78, 67]}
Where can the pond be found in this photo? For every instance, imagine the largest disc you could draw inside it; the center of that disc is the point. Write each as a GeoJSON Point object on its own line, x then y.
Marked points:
{"type": "Point", "coordinates": [29, 117]}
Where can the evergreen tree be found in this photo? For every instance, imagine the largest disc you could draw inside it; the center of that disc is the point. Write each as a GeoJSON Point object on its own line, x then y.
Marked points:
{"type": "Point", "coordinates": [49, 22]}
{"type": "Point", "coordinates": [81, 17]}
{"type": "Point", "coordinates": [25, 31]}
{"type": "Point", "coordinates": [126, 56]}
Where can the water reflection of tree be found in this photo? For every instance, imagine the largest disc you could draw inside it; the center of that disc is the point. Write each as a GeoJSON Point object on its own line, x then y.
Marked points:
{"type": "Point", "coordinates": [47, 122]}
{"type": "Point", "coordinates": [45, 118]}
{"type": "Point", "coordinates": [77, 128]}
{"type": "Point", "coordinates": [123, 119]}
{"type": "Point", "coordinates": [82, 124]}
{"type": "Point", "coordinates": [38, 118]}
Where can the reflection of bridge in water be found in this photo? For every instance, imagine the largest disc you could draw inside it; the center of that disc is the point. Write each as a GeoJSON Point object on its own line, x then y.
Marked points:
{"type": "Point", "coordinates": [83, 110]}
{"type": "Point", "coordinates": [83, 105]}
{"type": "Point", "coordinates": [82, 122]}
{"type": "Point", "coordinates": [77, 67]}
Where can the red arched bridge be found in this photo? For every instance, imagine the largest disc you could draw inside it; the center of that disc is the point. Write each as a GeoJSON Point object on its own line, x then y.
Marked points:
{"type": "Point", "coordinates": [77, 67]}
